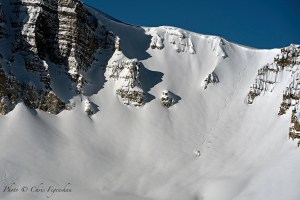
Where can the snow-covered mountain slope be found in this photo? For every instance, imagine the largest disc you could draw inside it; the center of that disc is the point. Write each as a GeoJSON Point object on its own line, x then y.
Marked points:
{"type": "Point", "coordinates": [148, 113]}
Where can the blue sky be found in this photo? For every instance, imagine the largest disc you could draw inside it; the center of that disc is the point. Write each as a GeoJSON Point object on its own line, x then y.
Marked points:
{"type": "Point", "coordinates": [256, 23]}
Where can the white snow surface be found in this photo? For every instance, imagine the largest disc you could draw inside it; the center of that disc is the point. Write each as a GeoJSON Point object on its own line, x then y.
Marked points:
{"type": "Point", "coordinates": [148, 153]}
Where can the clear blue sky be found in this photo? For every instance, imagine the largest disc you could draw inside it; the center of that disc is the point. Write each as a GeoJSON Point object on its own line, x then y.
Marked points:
{"type": "Point", "coordinates": [256, 23]}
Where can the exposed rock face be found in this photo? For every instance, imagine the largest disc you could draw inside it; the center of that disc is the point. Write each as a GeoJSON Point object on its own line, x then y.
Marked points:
{"type": "Point", "coordinates": [295, 126]}
{"type": "Point", "coordinates": [64, 30]}
{"type": "Point", "coordinates": [266, 78]}
{"type": "Point", "coordinates": [49, 102]}
{"type": "Point", "coordinates": [53, 32]}
{"type": "Point", "coordinates": [12, 92]}
{"type": "Point", "coordinates": [290, 60]}
{"type": "Point", "coordinates": [126, 73]}
{"type": "Point", "coordinates": [289, 57]}
{"type": "Point", "coordinates": [131, 96]}
{"type": "Point", "coordinates": [291, 95]}
{"type": "Point", "coordinates": [166, 100]}
{"type": "Point", "coordinates": [211, 79]}
{"type": "Point", "coordinates": [181, 40]}
{"type": "Point", "coordinates": [5, 105]}
{"type": "Point", "coordinates": [269, 75]}
{"type": "Point", "coordinates": [9, 92]}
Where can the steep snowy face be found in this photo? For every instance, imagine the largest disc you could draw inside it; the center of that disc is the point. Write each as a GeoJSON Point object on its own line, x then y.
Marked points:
{"type": "Point", "coordinates": [142, 113]}
{"type": "Point", "coordinates": [49, 41]}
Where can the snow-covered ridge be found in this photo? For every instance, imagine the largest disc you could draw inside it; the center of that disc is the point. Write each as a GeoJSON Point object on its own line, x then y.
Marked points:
{"type": "Point", "coordinates": [179, 38]}
{"type": "Point", "coordinates": [182, 40]}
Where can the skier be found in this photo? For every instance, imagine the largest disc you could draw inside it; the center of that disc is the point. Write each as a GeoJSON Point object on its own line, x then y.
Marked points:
{"type": "Point", "coordinates": [197, 153]}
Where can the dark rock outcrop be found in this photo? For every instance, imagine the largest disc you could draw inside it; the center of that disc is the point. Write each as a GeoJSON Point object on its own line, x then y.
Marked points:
{"type": "Point", "coordinates": [60, 33]}
{"type": "Point", "coordinates": [210, 79]}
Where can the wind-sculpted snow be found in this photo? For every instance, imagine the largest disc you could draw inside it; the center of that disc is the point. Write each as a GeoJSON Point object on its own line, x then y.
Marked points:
{"type": "Point", "coordinates": [219, 46]}
{"type": "Point", "coordinates": [179, 38]}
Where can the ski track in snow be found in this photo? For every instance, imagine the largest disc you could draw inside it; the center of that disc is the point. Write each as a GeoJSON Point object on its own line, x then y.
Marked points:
{"type": "Point", "coordinates": [226, 104]}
